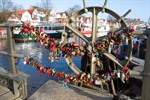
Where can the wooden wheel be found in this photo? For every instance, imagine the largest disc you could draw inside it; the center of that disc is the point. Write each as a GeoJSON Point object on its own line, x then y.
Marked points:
{"type": "Point", "coordinates": [94, 39]}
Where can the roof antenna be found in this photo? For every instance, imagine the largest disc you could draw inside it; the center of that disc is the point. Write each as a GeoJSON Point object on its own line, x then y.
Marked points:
{"type": "Point", "coordinates": [103, 9]}
{"type": "Point", "coordinates": [85, 9]}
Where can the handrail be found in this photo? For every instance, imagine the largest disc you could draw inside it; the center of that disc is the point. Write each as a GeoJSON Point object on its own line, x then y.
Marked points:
{"type": "Point", "coordinates": [18, 79]}
{"type": "Point", "coordinates": [8, 24]}
{"type": "Point", "coordinates": [15, 55]}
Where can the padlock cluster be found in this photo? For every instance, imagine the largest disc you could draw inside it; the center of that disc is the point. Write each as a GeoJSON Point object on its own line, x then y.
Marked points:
{"type": "Point", "coordinates": [82, 77]}
{"type": "Point", "coordinates": [73, 49]}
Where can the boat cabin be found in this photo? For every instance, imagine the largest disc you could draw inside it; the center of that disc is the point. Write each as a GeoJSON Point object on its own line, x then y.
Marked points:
{"type": "Point", "coordinates": [50, 28]}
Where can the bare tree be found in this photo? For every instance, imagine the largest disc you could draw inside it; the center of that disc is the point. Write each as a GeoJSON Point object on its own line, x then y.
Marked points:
{"type": "Point", "coordinates": [6, 9]}
{"type": "Point", "coordinates": [4, 16]}
{"type": "Point", "coordinates": [48, 6]}
{"type": "Point", "coordinates": [73, 9]}
{"type": "Point", "coordinates": [17, 7]}
{"type": "Point", "coordinates": [6, 5]}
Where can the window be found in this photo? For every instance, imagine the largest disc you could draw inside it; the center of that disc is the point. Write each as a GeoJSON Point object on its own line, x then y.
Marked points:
{"type": "Point", "coordinates": [49, 28]}
{"type": "Point", "coordinates": [16, 29]}
{"type": "Point", "coordinates": [61, 28]}
{"type": "Point", "coordinates": [54, 28]}
{"type": "Point", "coordinates": [45, 28]}
{"type": "Point", "coordinates": [37, 27]}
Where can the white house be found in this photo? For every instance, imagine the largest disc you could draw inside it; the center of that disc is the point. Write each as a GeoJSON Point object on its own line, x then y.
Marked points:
{"type": "Point", "coordinates": [13, 18]}
{"type": "Point", "coordinates": [52, 16]}
{"type": "Point", "coordinates": [24, 15]}
{"type": "Point", "coordinates": [61, 17]}
{"type": "Point", "coordinates": [35, 15]}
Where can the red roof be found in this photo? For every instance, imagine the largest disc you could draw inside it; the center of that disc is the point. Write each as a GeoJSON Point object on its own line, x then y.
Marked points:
{"type": "Point", "coordinates": [20, 12]}
{"type": "Point", "coordinates": [31, 11]}
{"type": "Point", "coordinates": [32, 8]}
{"type": "Point", "coordinates": [60, 13]}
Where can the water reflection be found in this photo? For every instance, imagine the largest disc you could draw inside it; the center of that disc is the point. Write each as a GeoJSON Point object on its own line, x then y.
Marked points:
{"type": "Point", "coordinates": [3, 59]}
{"type": "Point", "coordinates": [41, 54]}
{"type": "Point", "coordinates": [3, 45]}
{"type": "Point", "coordinates": [32, 49]}
{"type": "Point", "coordinates": [35, 50]}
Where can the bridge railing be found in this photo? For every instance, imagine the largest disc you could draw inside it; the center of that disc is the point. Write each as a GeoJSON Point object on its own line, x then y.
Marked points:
{"type": "Point", "coordinates": [14, 80]}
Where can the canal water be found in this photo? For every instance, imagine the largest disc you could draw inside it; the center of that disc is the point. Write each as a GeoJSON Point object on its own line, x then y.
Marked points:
{"type": "Point", "coordinates": [33, 49]}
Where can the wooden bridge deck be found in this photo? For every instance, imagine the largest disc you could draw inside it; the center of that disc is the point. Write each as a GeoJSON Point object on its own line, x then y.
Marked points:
{"type": "Point", "coordinates": [6, 94]}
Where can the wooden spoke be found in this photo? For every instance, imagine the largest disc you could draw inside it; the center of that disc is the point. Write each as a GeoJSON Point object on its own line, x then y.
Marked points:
{"type": "Point", "coordinates": [72, 65]}
{"type": "Point", "coordinates": [94, 25]}
{"type": "Point", "coordinates": [113, 58]}
{"type": "Point", "coordinates": [76, 32]}
{"type": "Point", "coordinates": [129, 53]}
{"type": "Point", "coordinates": [94, 37]}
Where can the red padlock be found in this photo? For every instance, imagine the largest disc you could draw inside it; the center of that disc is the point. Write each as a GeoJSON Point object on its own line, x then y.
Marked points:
{"type": "Point", "coordinates": [25, 30]}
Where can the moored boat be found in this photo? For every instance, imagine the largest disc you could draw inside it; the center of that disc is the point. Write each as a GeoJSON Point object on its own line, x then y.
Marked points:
{"type": "Point", "coordinates": [86, 29]}
{"type": "Point", "coordinates": [21, 37]}
{"type": "Point", "coordinates": [53, 30]}
{"type": "Point", "coordinates": [102, 29]}
{"type": "Point", "coordinates": [17, 28]}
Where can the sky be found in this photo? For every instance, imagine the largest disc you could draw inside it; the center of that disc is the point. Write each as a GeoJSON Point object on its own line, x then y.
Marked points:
{"type": "Point", "coordinates": [139, 8]}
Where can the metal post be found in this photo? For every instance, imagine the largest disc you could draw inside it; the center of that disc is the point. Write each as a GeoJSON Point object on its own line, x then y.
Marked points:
{"type": "Point", "coordinates": [11, 51]}
{"type": "Point", "coordinates": [146, 79]}
{"type": "Point", "coordinates": [85, 9]}
{"type": "Point", "coordinates": [12, 60]}
{"type": "Point", "coordinates": [15, 80]}
{"type": "Point", "coordinates": [94, 37]}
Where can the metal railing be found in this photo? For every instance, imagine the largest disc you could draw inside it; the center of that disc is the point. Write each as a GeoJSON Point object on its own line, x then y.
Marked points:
{"type": "Point", "coordinates": [14, 80]}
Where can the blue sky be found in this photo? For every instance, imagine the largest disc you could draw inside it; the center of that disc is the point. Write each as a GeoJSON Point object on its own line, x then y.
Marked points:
{"type": "Point", "coordinates": [140, 8]}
